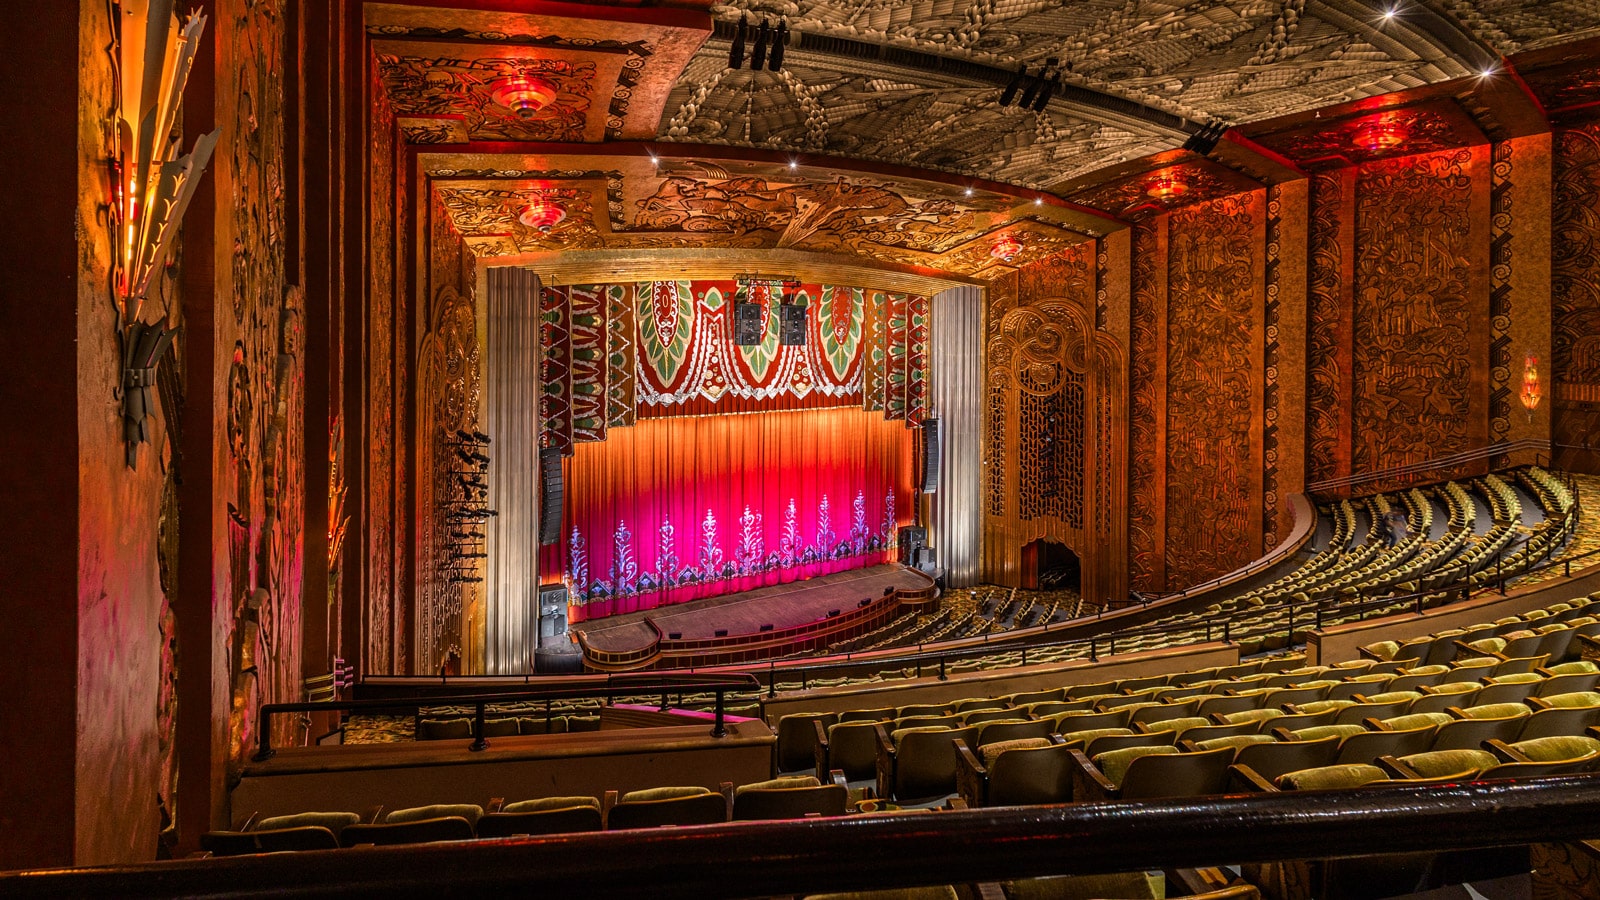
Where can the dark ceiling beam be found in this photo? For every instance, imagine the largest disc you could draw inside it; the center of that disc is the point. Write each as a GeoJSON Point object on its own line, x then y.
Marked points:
{"type": "Point", "coordinates": [1093, 104]}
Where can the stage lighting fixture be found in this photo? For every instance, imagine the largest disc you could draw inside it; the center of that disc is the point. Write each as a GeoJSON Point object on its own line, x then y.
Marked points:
{"type": "Point", "coordinates": [780, 37]}
{"type": "Point", "coordinates": [524, 95]}
{"type": "Point", "coordinates": [758, 53]}
{"type": "Point", "coordinates": [1012, 86]}
{"type": "Point", "coordinates": [1047, 90]}
{"type": "Point", "coordinates": [1205, 140]}
{"type": "Point", "coordinates": [767, 627]}
{"type": "Point", "coordinates": [736, 51]}
{"type": "Point", "coordinates": [720, 632]}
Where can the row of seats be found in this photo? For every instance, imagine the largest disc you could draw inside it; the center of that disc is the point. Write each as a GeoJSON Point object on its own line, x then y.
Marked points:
{"type": "Point", "coordinates": [1563, 631]}
{"type": "Point", "coordinates": [782, 798]}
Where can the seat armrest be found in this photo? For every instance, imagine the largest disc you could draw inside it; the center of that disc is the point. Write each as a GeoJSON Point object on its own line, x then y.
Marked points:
{"type": "Point", "coordinates": [373, 816]}
{"type": "Point", "coordinates": [726, 790]}
{"type": "Point", "coordinates": [244, 822]}
{"type": "Point", "coordinates": [1371, 724]}
{"type": "Point", "coordinates": [1282, 735]}
{"type": "Point", "coordinates": [1245, 779]}
{"type": "Point", "coordinates": [1396, 768]}
{"type": "Point", "coordinates": [1503, 751]}
{"type": "Point", "coordinates": [495, 804]}
{"type": "Point", "coordinates": [1088, 782]}
{"type": "Point", "coordinates": [820, 748]}
{"type": "Point", "coordinates": [972, 779]}
{"type": "Point", "coordinates": [886, 762]}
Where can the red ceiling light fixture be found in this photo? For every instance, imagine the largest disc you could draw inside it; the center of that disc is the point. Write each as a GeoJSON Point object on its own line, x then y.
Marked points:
{"type": "Point", "coordinates": [542, 215]}
{"type": "Point", "coordinates": [1166, 187]}
{"type": "Point", "coordinates": [1006, 248]}
{"type": "Point", "coordinates": [524, 95]}
{"type": "Point", "coordinates": [1379, 135]}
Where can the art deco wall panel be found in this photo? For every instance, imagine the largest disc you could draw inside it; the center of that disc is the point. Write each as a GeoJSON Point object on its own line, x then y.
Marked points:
{"type": "Point", "coordinates": [1052, 441]}
{"type": "Point", "coordinates": [1575, 299]}
{"type": "Point", "coordinates": [1214, 386]}
{"type": "Point", "coordinates": [1420, 350]}
{"type": "Point", "coordinates": [958, 401]}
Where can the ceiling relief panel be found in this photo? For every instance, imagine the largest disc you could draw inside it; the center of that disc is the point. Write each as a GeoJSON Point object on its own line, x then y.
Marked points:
{"type": "Point", "coordinates": [1236, 60]}
{"type": "Point", "coordinates": [909, 118]}
{"type": "Point", "coordinates": [630, 203]}
{"type": "Point", "coordinates": [1166, 185]}
{"type": "Point", "coordinates": [613, 70]}
{"type": "Point", "coordinates": [1362, 137]}
{"type": "Point", "coordinates": [1513, 26]}
{"type": "Point", "coordinates": [458, 82]}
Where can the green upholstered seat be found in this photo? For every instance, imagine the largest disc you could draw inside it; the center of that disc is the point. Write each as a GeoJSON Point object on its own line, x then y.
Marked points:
{"type": "Point", "coordinates": [1331, 777]}
{"type": "Point", "coordinates": [1114, 763]}
{"type": "Point", "coordinates": [545, 804]}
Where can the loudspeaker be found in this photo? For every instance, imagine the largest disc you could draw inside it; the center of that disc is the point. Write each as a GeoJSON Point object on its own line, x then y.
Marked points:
{"type": "Point", "coordinates": [925, 560]}
{"type": "Point", "coordinates": [912, 539]}
{"type": "Point", "coordinates": [791, 324]}
{"type": "Point", "coordinates": [550, 495]}
{"type": "Point", "coordinates": [931, 447]}
{"type": "Point", "coordinates": [747, 324]}
{"type": "Point", "coordinates": [552, 611]}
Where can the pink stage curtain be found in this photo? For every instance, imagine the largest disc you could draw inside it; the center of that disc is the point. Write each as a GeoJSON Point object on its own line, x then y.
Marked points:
{"type": "Point", "coordinates": [676, 509]}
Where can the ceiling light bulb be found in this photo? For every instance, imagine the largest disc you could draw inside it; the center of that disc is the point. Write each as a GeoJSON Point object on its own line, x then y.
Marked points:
{"type": "Point", "coordinates": [1489, 70]}
{"type": "Point", "coordinates": [968, 192]}
{"type": "Point", "coordinates": [1389, 13]}
{"type": "Point", "coordinates": [793, 165]}
{"type": "Point", "coordinates": [1038, 201]}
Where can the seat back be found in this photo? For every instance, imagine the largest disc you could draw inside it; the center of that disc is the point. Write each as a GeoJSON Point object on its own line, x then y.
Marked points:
{"type": "Point", "coordinates": [1088, 721]}
{"type": "Point", "coordinates": [1178, 774]}
{"type": "Point", "coordinates": [853, 747]}
{"type": "Point", "coordinates": [1469, 734]}
{"type": "Point", "coordinates": [884, 714]}
{"type": "Point", "coordinates": [790, 803]}
{"type": "Point", "coordinates": [797, 740]}
{"type": "Point", "coordinates": [1572, 720]}
{"type": "Point", "coordinates": [925, 762]}
{"type": "Point", "coordinates": [995, 732]}
{"type": "Point", "coordinates": [1269, 760]}
{"type": "Point", "coordinates": [1031, 775]}
{"type": "Point", "coordinates": [1109, 742]}
{"type": "Point", "coordinates": [1222, 706]}
{"type": "Point", "coordinates": [418, 831]}
{"type": "Point", "coordinates": [1366, 747]}
{"type": "Point", "coordinates": [1506, 692]}
{"type": "Point", "coordinates": [567, 820]}
{"type": "Point", "coordinates": [979, 717]}
{"type": "Point", "coordinates": [1355, 715]}
{"type": "Point", "coordinates": [701, 809]}
{"type": "Point", "coordinates": [1181, 709]}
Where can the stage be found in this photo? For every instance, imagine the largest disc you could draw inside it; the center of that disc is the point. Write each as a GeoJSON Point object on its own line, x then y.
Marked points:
{"type": "Point", "coordinates": [781, 606]}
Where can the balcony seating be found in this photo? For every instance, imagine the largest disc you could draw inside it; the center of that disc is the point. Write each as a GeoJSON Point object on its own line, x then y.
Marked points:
{"type": "Point", "coordinates": [657, 807]}
{"type": "Point", "coordinates": [1143, 773]}
{"type": "Point", "coordinates": [547, 815]}
{"type": "Point", "coordinates": [796, 797]}
{"type": "Point", "coordinates": [1015, 773]}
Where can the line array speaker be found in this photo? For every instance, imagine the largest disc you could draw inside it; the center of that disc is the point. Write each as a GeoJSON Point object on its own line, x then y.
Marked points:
{"type": "Point", "coordinates": [552, 610]}
{"type": "Point", "coordinates": [791, 324]}
{"type": "Point", "coordinates": [551, 492]}
{"type": "Point", "coordinates": [931, 447]}
{"type": "Point", "coordinates": [746, 324]}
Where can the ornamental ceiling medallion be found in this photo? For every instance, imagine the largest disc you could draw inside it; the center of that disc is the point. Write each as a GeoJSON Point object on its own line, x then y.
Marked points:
{"type": "Point", "coordinates": [1336, 141]}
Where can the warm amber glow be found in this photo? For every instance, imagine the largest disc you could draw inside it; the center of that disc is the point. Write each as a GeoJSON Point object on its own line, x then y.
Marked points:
{"type": "Point", "coordinates": [1531, 392]}
{"type": "Point", "coordinates": [524, 95]}
{"type": "Point", "coordinates": [1006, 248]}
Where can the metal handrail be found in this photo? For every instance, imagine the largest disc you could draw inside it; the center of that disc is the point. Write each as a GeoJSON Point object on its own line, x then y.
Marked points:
{"type": "Point", "coordinates": [610, 687]}
{"type": "Point", "coordinates": [1442, 462]}
{"type": "Point", "coordinates": [806, 856]}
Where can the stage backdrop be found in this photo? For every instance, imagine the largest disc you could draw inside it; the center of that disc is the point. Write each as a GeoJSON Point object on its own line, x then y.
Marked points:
{"type": "Point", "coordinates": [675, 509]}
{"type": "Point", "coordinates": [698, 467]}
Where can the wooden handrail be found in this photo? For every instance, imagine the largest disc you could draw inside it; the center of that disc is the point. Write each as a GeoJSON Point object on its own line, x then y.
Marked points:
{"type": "Point", "coordinates": [720, 862]}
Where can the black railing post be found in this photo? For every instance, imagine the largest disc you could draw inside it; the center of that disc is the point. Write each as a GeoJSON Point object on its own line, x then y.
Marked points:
{"type": "Point", "coordinates": [1094, 650]}
{"type": "Point", "coordinates": [1227, 631]}
{"type": "Point", "coordinates": [719, 729]}
{"type": "Point", "coordinates": [942, 676]}
{"type": "Point", "coordinates": [264, 749]}
{"type": "Point", "coordinates": [479, 742]}
{"type": "Point", "coordinates": [772, 679]}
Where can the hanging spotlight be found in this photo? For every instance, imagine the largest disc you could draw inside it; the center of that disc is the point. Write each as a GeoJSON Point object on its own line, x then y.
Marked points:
{"type": "Point", "coordinates": [1010, 93]}
{"type": "Point", "coordinates": [1031, 93]}
{"type": "Point", "coordinates": [1047, 89]}
{"type": "Point", "coordinates": [524, 95]}
{"type": "Point", "coordinates": [780, 38]}
{"type": "Point", "coordinates": [542, 215]}
{"type": "Point", "coordinates": [758, 55]}
{"type": "Point", "coordinates": [736, 52]}
{"type": "Point", "coordinates": [1205, 140]}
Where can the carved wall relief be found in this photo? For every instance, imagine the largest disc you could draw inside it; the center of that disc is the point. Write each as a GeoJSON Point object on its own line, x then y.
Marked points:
{"type": "Point", "coordinates": [1414, 366]}
{"type": "Point", "coordinates": [384, 617]}
{"type": "Point", "coordinates": [1214, 386]}
{"type": "Point", "coordinates": [1575, 297]}
{"type": "Point", "coordinates": [1327, 369]}
{"type": "Point", "coordinates": [1147, 408]}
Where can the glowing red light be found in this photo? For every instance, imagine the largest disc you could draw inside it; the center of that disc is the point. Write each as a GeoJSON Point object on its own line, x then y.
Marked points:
{"type": "Point", "coordinates": [1379, 135]}
{"type": "Point", "coordinates": [524, 95]}
{"type": "Point", "coordinates": [1166, 187]}
{"type": "Point", "coordinates": [1006, 248]}
{"type": "Point", "coordinates": [542, 215]}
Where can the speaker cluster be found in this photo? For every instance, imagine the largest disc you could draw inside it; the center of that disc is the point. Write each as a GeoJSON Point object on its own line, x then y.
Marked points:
{"type": "Point", "coordinates": [465, 507]}
{"type": "Point", "coordinates": [749, 324]}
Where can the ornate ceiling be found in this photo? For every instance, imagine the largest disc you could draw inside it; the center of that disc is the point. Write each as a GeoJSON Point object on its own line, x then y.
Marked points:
{"type": "Point", "coordinates": [882, 142]}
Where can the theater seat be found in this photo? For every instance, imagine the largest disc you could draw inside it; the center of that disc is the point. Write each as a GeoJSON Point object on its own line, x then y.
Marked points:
{"type": "Point", "coordinates": [547, 815]}
{"type": "Point", "coordinates": [795, 797]}
{"type": "Point", "coordinates": [656, 807]}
